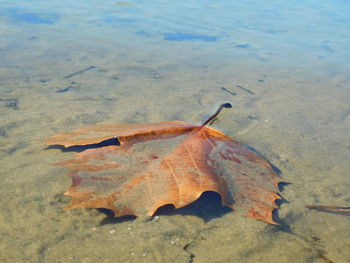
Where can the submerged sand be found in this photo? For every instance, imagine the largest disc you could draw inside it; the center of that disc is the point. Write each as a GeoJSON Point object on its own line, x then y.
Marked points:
{"type": "Point", "coordinates": [297, 116]}
{"type": "Point", "coordinates": [300, 122]}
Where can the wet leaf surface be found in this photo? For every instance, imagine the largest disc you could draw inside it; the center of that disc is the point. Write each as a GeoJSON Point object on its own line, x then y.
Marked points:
{"type": "Point", "coordinates": [147, 166]}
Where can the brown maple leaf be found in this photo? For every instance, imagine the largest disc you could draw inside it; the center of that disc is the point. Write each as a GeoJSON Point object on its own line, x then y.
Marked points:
{"type": "Point", "coordinates": [152, 165]}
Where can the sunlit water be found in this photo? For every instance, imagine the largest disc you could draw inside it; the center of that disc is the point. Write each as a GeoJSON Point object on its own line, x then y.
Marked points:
{"type": "Point", "coordinates": [284, 66]}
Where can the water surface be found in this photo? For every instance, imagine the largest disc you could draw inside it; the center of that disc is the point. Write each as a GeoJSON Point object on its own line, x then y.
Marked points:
{"type": "Point", "coordinates": [284, 67]}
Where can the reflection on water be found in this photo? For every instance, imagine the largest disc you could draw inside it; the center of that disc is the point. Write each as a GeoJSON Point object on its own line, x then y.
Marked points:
{"type": "Point", "coordinates": [283, 65]}
{"type": "Point", "coordinates": [188, 37]}
{"type": "Point", "coordinates": [21, 15]}
{"type": "Point", "coordinates": [270, 30]}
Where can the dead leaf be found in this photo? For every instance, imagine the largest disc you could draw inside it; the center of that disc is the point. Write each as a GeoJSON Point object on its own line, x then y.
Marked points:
{"type": "Point", "coordinates": [166, 163]}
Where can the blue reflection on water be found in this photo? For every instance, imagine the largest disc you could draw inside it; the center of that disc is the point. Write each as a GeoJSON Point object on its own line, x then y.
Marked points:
{"type": "Point", "coordinates": [111, 19]}
{"type": "Point", "coordinates": [142, 33]}
{"type": "Point", "coordinates": [23, 15]}
{"type": "Point", "coordinates": [297, 31]}
{"type": "Point", "coordinates": [189, 37]}
{"type": "Point", "coordinates": [243, 46]}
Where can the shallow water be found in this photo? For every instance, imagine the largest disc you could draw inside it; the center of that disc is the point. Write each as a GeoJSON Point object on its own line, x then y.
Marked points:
{"type": "Point", "coordinates": [284, 66]}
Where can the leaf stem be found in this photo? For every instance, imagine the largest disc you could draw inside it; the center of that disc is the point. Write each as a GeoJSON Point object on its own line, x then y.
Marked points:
{"type": "Point", "coordinates": [213, 116]}
{"type": "Point", "coordinates": [216, 113]}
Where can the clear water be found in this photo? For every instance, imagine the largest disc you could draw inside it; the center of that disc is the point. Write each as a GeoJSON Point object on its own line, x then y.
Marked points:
{"type": "Point", "coordinates": [68, 64]}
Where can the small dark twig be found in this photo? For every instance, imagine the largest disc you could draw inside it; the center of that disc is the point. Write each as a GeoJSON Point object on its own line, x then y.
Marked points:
{"type": "Point", "coordinates": [247, 90]}
{"type": "Point", "coordinates": [228, 91]}
{"type": "Point", "coordinates": [330, 209]}
{"type": "Point", "coordinates": [79, 72]}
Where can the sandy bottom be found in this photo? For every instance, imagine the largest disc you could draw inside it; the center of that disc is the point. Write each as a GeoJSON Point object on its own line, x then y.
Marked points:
{"type": "Point", "coordinates": [297, 119]}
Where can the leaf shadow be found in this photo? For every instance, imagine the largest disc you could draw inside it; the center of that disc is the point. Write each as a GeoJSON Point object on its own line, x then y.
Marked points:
{"type": "Point", "coordinates": [81, 148]}
{"type": "Point", "coordinates": [207, 207]}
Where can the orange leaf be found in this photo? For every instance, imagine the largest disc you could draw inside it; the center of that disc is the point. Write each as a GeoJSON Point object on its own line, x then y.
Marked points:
{"type": "Point", "coordinates": [166, 163]}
